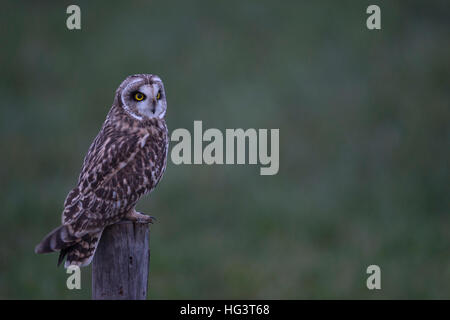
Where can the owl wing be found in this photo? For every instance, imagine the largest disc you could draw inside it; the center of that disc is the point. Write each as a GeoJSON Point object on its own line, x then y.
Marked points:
{"type": "Point", "coordinates": [89, 206]}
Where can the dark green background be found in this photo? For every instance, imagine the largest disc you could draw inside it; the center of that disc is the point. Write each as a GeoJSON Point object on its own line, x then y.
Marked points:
{"type": "Point", "coordinates": [364, 143]}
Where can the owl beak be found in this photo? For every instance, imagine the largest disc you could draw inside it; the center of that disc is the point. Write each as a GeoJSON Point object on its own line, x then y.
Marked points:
{"type": "Point", "coordinates": [153, 105]}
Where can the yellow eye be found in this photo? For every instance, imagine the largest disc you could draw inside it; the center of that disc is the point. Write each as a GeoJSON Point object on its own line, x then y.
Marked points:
{"type": "Point", "coordinates": [158, 96]}
{"type": "Point", "coordinates": [139, 96]}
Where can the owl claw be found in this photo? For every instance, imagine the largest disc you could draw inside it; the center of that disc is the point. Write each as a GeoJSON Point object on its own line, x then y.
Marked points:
{"type": "Point", "coordinates": [146, 219]}
{"type": "Point", "coordinates": [140, 217]}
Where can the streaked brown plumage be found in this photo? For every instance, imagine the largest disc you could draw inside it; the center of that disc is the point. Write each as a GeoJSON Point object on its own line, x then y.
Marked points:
{"type": "Point", "coordinates": [125, 161]}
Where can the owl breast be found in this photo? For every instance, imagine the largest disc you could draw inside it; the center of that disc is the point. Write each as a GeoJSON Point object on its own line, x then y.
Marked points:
{"type": "Point", "coordinates": [141, 175]}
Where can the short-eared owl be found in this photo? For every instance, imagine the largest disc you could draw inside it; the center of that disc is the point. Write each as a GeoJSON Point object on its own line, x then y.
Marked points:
{"type": "Point", "coordinates": [126, 160]}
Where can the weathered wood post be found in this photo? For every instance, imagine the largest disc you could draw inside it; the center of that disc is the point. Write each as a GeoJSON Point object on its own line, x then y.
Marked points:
{"type": "Point", "coordinates": [121, 262]}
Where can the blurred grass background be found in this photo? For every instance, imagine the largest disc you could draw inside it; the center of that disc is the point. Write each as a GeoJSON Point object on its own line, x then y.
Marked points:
{"type": "Point", "coordinates": [364, 143]}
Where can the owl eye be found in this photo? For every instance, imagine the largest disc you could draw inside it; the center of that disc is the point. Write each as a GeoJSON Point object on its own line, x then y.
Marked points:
{"type": "Point", "coordinates": [138, 96]}
{"type": "Point", "coordinates": [158, 96]}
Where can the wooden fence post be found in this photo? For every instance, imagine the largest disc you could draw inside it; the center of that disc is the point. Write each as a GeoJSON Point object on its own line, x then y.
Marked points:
{"type": "Point", "coordinates": [121, 263]}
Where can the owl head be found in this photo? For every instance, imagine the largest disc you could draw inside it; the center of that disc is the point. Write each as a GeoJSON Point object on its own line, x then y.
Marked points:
{"type": "Point", "coordinates": [142, 96]}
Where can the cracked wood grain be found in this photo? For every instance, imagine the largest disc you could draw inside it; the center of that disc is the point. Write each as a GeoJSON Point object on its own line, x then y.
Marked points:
{"type": "Point", "coordinates": [121, 263]}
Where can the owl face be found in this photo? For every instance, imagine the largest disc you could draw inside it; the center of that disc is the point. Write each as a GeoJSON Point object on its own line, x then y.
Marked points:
{"type": "Point", "coordinates": [142, 96]}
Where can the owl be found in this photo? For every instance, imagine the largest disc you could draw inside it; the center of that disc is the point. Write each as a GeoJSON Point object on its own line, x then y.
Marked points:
{"type": "Point", "coordinates": [126, 160]}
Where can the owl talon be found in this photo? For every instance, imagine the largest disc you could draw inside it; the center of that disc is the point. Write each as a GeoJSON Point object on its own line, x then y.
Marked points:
{"type": "Point", "coordinates": [146, 219]}
{"type": "Point", "coordinates": [139, 217]}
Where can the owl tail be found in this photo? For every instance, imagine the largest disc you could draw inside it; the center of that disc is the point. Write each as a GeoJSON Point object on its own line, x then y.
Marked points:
{"type": "Point", "coordinates": [56, 240]}
{"type": "Point", "coordinates": [82, 252]}
{"type": "Point", "coordinates": [79, 251]}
